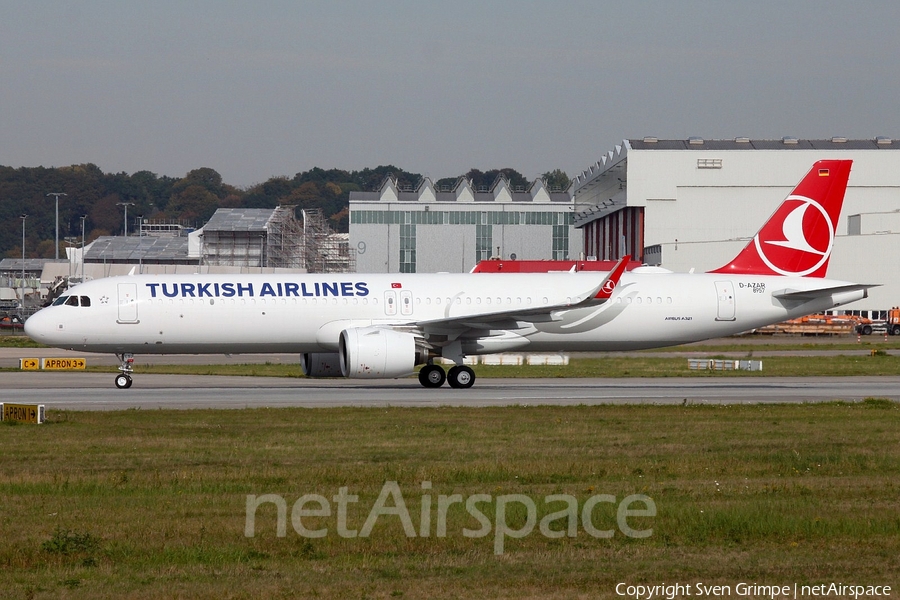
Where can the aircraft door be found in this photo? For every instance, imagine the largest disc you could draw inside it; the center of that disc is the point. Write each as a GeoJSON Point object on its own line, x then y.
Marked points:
{"type": "Point", "coordinates": [725, 306]}
{"type": "Point", "coordinates": [406, 303]}
{"type": "Point", "coordinates": [128, 308]}
{"type": "Point", "coordinates": [390, 303]}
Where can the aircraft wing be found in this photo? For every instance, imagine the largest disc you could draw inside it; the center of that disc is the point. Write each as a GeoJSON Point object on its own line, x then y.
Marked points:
{"type": "Point", "coordinates": [806, 295]}
{"type": "Point", "coordinates": [598, 295]}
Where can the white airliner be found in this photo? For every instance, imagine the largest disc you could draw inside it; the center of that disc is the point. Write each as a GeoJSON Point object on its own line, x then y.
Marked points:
{"type": "Point", "coordinates": [383, 326]}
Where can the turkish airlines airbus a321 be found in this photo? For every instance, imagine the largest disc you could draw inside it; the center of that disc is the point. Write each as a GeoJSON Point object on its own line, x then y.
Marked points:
{"type": "Point", "coordinates": [384, 325]}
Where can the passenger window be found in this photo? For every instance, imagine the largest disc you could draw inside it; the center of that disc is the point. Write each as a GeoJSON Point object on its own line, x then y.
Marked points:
{"type": "Point", "coordinates": [85, 301]}
{"type": "Point", "coordinates": [72, 301]}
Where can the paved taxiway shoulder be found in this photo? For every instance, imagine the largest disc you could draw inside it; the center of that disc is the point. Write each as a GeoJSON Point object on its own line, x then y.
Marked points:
{"type": "Point", "coordinates": [95, 391]}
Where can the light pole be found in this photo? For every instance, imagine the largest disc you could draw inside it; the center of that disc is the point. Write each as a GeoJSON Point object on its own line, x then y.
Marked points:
{"type": "Point", "coordinates": [23, 264]}
{"type": "Point", "coordinates": [126, 205]}
{"type": "Point", "coordinates": [83, 217]}
{"type": "Point", "coordinates": [56, 247]}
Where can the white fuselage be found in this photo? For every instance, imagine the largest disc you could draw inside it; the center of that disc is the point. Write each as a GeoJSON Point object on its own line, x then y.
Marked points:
{"type": "Point", "coordinates": [223, 314]}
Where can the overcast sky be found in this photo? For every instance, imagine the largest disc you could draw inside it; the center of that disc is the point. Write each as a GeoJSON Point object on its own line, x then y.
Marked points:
{"type": "Point", "coordinates": [266, 88]}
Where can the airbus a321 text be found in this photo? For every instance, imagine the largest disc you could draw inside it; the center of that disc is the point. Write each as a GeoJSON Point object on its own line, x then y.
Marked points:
{"type": "Point", "coordinates": [385, 325]}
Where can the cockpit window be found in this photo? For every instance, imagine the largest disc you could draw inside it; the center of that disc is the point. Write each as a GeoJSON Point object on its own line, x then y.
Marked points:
{"type": "Point", "coordinates": [72, 301]}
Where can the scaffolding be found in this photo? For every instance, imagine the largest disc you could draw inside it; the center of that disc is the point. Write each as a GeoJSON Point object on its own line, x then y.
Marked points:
{"type": "Point", "coordinates": [284, 240]}
{"type": "Point", "coordinates": [325, 251]}
{"type": "Point", "coordinates": [276, 239]}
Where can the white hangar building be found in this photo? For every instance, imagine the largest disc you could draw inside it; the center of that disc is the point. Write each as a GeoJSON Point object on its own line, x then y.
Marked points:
{"type": "Point", "coordinates": [695, 203]}
{"type": "Point", "coordinates": [428, 230]}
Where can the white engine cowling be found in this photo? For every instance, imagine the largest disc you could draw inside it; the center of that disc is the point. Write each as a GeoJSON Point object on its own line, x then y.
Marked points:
{"type": "Point", "coordinates": [321, 364]}
{"type": "Point", "coordinates": [375, 353]}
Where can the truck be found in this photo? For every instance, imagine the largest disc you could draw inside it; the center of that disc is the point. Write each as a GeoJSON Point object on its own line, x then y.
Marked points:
{"type": "Point", "coordinates": [891, 325]}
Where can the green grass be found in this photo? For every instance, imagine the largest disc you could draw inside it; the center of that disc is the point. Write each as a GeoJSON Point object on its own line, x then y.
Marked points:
{"type": "Point", "coordinates": [793, 344]}
{"type": "Point", "coordinates": [152, 504]}
{"type": "Point", "coordinates": [621, 366]}
{"type": "Point", "coordinates": [18, 340]}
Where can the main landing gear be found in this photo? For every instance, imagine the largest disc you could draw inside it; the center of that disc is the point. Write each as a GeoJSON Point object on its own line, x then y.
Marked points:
{"type": "Point", "coordinates": [460, 376]}
{"type": "Point", "coordinates": [123, 379]}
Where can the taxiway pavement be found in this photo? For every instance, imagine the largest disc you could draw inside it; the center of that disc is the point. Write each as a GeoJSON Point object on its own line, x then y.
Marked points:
{"type": "Point", "coordinates": [95, 391]}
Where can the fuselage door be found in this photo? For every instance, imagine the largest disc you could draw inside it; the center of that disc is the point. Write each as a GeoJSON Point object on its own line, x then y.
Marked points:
{"type": "Point", "coordinates": [128, 308]}
{"type": "Point", "coordinates": [390, 303]}
{"type": "Point", "coordinates": [406, 303]}
{"type": "Point", "coordinates": [725, 294]}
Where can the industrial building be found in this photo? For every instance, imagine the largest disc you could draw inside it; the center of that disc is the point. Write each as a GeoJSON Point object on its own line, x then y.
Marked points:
{"type": "Point", "coordinates": [429, 230]}
{"type": "Point", "coordinates": [693, 204]}
{"type": "Point", "coordinates": [233, 238]}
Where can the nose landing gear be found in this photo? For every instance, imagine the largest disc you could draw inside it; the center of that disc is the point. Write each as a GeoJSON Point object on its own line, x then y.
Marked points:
{"type": "Point", "coordinates": [123, 379]}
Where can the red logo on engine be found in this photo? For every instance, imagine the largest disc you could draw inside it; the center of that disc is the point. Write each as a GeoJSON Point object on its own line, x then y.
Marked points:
{"type": "Point", "coordinates": [797, 240]}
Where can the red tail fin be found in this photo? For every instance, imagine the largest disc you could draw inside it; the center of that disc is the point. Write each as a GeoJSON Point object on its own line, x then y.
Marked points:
{"type": "Point", "coordinates": [797, 239]}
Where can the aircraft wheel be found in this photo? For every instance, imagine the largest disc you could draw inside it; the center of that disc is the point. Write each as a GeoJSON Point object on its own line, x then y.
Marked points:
{"type": "Point", "coordinates": [461, 377]}
{"type": "Point", "coordinates": [432, 376]}
{"type": "Point", "coordinates": [123, 381]}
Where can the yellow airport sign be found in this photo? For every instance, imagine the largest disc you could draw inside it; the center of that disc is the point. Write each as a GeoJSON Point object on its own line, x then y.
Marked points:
{"type": "Point", "coordinates": [29, 364]}
{"type": "Point", "coordinates": [62, 364]}
{"type": "Point", "coordinates": [25, 413]}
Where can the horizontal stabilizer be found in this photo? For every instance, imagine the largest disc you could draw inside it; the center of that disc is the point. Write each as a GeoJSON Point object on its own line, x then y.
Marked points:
{"type": "Point", "coordinates": [821, 292]}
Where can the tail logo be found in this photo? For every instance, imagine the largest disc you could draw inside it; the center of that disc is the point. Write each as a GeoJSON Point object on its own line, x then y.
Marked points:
{"type": "Point", "coordinates": [798, 239]}
{"type": "Point", "coordinates": [608, 287]}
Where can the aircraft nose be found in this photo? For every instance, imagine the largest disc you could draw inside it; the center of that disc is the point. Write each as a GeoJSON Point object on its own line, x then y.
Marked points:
{"type": "Point", "coordinates": [38, 326]}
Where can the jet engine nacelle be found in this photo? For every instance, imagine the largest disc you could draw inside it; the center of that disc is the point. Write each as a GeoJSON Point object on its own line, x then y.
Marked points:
{"type": "Point", "coordinates": [375, 353]}
{"type": "Point", "coordinates": [321, 364]}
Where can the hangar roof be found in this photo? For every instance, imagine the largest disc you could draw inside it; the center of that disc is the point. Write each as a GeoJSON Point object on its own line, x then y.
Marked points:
{"type": "Point", "coordinates": [13, 265]}
{"type": "Point", "coordinates": [785, 143]}
{"type": "Point", "coordinates": [239, 219]}
{"type": "Point", "coordinates": [135, 249]}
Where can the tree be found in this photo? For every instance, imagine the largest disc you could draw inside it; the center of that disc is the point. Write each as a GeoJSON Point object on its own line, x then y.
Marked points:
{"type": "Point", "coordinates": [484, 181]}
{"type": "Point", "coordinates": [104, 214]}
{"type": "Point", "coordinates": [556, 178]}
{"type": "Point", "coordinates": [194, 203]}
{"type": "Point", "coordinates": [204, 177]}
